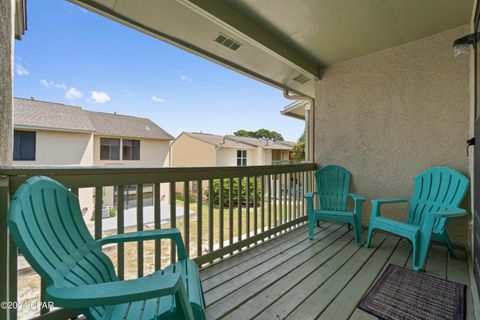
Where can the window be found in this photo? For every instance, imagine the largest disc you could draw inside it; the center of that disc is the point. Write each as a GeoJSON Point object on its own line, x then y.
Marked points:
{"type": "Point", "coordinates": [241, 158]}
{"type": "Point", "coordinates": [109, 149]}
{"type": "Point", "coordinates": [24, 145]}
{"type": "Point", "coordinates": [131, 149]}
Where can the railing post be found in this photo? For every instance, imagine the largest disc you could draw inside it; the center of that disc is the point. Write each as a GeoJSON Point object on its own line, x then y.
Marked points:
{"type": "Point", "coordinates": [8, 255]}
{"type": "Point", "coordinates": [4, 202]}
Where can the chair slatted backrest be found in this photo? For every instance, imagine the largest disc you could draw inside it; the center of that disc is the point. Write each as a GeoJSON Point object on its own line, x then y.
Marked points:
{"type": "Point", "coordinates": [47, 225]}
{"type": "Point", "coordinates": [436, 189]}
{"type": "Point", "coordinates": [333, 184]}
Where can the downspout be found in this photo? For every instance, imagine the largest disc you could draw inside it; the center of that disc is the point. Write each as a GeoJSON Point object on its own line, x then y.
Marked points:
{"type": "Point", "coordinates": [309, 122]}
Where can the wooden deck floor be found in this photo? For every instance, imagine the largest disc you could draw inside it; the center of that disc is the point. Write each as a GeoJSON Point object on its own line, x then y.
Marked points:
{"type": "Point", "coordinates": [291, 277]}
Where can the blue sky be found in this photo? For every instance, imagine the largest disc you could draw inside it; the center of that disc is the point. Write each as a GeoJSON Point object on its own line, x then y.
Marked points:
{"type": "Point", "coordinates": [74, 56]}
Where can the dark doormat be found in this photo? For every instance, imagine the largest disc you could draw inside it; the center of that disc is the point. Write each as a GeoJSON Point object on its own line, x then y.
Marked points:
{"type": "Point", "coordinates": [406, 294]}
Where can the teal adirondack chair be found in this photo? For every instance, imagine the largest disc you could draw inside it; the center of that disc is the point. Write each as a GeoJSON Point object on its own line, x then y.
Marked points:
{"type": "Point", "coordinates": [46, 223]}
{"type": "Point", "coordinates": [437, 194]}
{"type": "Point", "coordinates": [333, 184]}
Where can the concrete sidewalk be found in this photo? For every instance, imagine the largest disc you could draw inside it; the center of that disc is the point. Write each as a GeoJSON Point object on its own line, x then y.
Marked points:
{"type": "Point", "coordinates": [130, 219]}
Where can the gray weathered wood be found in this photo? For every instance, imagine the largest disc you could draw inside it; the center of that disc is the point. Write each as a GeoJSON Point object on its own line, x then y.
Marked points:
{"type": "Point", "coordinates": [344, 304]}
{"type": "Point", "coordinates": [263, 251]}
{"type": "Point", "coordinates": [313, 264]}
{"type": "Point", "coordinates": [222, 298]}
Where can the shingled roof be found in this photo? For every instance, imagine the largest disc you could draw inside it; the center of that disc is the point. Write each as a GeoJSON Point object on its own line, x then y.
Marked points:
{"type": "Point", "coordinates": [262, 143]}
{"type": "Point", "coordinates": [217, 140]}
{"type": "Point", "coordinates": [35, 114]}
{"type": "Point", "coordinates": [126, 126]}
{"type": "Point", "coordinates": [230, 141]}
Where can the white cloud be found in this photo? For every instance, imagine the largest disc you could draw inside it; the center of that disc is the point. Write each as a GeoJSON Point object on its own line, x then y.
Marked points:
{"type": "Point", "coordinates": [73, 94]}
{"type": "Point", "coordinates": [61, 86]}
{"type": "Point", "coordinates": [157, 99]}
{"type": "Point", "coordinates": [46, 84]}
{"type": "Point", "coordinates": [185, 78]}
{"type": "Point", "coordinates": [99, 97]}
{"type": "Point", "coordinates": [21, 71]}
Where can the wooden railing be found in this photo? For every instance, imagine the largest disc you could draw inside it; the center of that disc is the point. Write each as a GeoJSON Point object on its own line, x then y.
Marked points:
{"type": "Point", "coordinates": [271, 204]}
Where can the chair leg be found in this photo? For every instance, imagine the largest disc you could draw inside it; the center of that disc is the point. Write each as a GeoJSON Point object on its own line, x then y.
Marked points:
{"type": "Point", "coordinates": [369, 236]}
{"type": "Point", "coordinates": [449, 245]}
{"type": "Point", "coordinates": [311, 226]}
{"type": "Point", "coordinates": [358, 234]}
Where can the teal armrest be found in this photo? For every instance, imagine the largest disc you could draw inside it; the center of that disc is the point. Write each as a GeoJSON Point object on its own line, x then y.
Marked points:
{"type": "Point", "coordinates": [356, 197]}
{"type": "Point", "coordinates": [389, 200]}
{"type": "Point", "coordinates": [456, 213]}
{"type": "Point", "coordinates": [310, 195]}
{"type": "Point", "coordinates": [111, 293]}
{"type": "Point", "coordinates": [172, 233]}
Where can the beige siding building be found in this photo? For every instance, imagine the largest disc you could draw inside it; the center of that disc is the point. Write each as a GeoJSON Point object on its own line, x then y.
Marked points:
{"type": "Point", "coordinates": [48, 133]}
{"type": "Point", "coordinates": [198, 149]}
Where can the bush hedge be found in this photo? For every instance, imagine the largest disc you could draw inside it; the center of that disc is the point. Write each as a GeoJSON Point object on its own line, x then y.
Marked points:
{"type": "Point", "coordinates": [226, 188]}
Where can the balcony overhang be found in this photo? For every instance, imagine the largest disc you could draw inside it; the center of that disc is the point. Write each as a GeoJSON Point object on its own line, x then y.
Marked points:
{"type": "Point", "coordinates": [285, 43]}
{"type": "Point", "coordinates": [295, 110]}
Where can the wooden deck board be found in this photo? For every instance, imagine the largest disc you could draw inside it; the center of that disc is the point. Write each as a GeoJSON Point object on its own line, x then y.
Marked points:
{"type": "Point", "coordinates": [294, 278]}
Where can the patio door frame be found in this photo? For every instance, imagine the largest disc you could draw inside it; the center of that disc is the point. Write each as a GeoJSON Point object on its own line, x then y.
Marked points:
{"type": "Point", "coordinates": [476, 155]}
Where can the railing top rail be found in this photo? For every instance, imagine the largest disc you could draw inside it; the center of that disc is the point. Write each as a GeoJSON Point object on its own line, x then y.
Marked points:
{"type": "Point", "coordinates": [84, 177]}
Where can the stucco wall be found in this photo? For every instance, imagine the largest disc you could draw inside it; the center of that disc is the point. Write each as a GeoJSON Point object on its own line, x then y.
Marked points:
{"type": "Point", "coordinates": [61, 148]}
{"type": "Point", "coordinates": [7, 8]}
{"type": "Point", "coordinates": [152, 153]}
{"type": "Point", "coordinates": [389, 115]}
{"type": "Point", "coordinates": [228, 157]}
{"type": "Point", "coordinates": [190, 152]}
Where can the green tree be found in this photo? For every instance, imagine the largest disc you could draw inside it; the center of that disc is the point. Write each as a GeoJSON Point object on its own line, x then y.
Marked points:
{"type": "Point", "coordinates": [299, 149]}
{"type": "Point", "coordinates": [260, 134]}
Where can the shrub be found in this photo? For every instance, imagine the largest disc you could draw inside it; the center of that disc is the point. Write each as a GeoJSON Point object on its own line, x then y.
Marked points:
{"type": "Point", "coordinates": [226, 188]}
{"type": "Point", "coordinates": [112, 212]}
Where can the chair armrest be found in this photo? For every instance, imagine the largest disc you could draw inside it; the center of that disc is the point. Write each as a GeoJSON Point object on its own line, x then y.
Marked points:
{"type": "Point", "coordinates": [376, 203]}
{"type": "Point", "coordinates": [455, 213]}
{"type": "Point", "coordinates": [172, 233]}
{"type": "Point", "coordinates": [310, 195]}
{"type": "Point", "coordinates": [356, 197]}
{"type": "Point", "coordinates": [389, 200]}
{"type": "Point", "coordinates": [110, 293]}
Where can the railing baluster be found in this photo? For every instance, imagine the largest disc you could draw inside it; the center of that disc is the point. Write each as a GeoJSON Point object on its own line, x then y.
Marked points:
{"type": "Point", "coordinates": [220, 213]}
{"type": "Point", "coordinates": [285, 193]}
{"type": "Point", "coordinates": [289, 197]}
{"type": "Point", "coordinates": [157, 217]}
{"type": "Point", "coordinates": [230, 211]}
{"type": "Point", "coordinates": [140, 228]}
{"type": "Point", "coordinates": [239, 218]}
{"type": "Point", "coordinates": [275, 200]}
{"type": "Point", "coordinates": [255, 205]}
{"type": "Point", "coordinates": [210, 215]}
{"type": "Point", "coordinates": [199, 218]}
{"type": "Point", "coordinates": [262, 204]}
{"type": "Point", "coordinates": [295, 195]}
{"type": "Point", "coordinates": [173, 220]}
{"type": "Point", "coordinates": [247, 203]}
{"type": "Point", "coordinates": [98, 212]}
{"type": "Point", "coordinates": [269, 187]}
{"type": "Point", "coordinates": [43, 309]}
{"type": "Point", "coordinates": [186, 215]}
{"type": "Point", "coordinates": [121, 229]}
{"type": "Point", "coordinates": [281, 198]}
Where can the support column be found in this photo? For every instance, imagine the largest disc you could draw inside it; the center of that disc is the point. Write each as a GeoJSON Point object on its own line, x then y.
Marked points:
{"type": "Point", "coordinates": [308, 133]}
{"type": "Point", "coordinates": [7, 250]}
{"type": "Point", "coordinates": [7, 27]}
